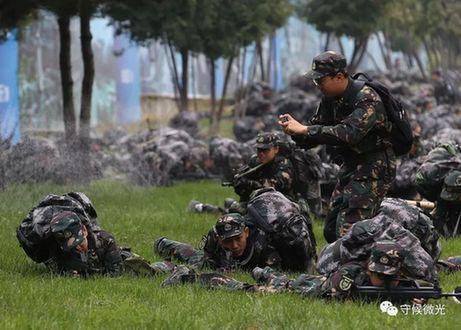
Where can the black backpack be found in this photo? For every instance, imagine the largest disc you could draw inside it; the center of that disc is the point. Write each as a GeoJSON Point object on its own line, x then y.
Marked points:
{"type": "Point", "coordinates": [401, 135]}
{"type": "Point", "coordinates": [278, 217]}
{"type": "Point", "coordinates": [307, 167]}
{"type": "Point", "coordinates": [34, 233]}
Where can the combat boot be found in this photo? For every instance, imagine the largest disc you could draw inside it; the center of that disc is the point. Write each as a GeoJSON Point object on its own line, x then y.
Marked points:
{"type": "Point", "coordinates": [195, 206]}
{"type": "Point", "coordinates": [180, 275]}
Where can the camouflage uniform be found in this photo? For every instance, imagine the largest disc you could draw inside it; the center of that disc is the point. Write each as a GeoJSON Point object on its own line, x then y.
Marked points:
{"type": "Point", "coordinates": [52, 231]}
{"type": "Point", "coordinates": [357, 126]}
{"type": "Point", "coordinates": [447, 214]}
{"type": "Point", "coordinates": [407, 226]}
{"type": "Point", "coordinates": [277, 174]}
{"type": "Point", "coordinates": [438, 180]}
{"type": "Point", "coordinates": [258, 252]}
{"type": "Point", "coordinates": [385, 260]}
{"type": "Point", "coordinates": [288, 247]}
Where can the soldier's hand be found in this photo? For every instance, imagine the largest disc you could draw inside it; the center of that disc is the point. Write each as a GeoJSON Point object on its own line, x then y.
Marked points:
{"type": "Point", "coordinates": [291, 126]}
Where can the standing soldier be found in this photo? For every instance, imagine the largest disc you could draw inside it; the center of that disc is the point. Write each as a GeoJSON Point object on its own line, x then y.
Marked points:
{"type": "Point", "coordinates": [351, 117]}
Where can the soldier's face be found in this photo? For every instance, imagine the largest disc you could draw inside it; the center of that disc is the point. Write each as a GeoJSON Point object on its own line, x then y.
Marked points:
{"type": "Point", "coordinates": [376, 280]}
{"type": "Point", "coordinates": [332, 86]}
{"type": "Point", "coordinates": [237, 244]}
{"type": "Point", "coordinates": [267, 155]}
{"type": "Point", "coordinates": [83, 247]}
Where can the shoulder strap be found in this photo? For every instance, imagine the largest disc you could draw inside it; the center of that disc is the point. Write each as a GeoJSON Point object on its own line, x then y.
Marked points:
{"type": "Point", "coordinates": [352, 93]}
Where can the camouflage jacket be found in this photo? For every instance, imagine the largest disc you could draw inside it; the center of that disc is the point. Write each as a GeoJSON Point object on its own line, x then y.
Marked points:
{"type": "Point", "coordinates": [408, 226]}
{"type": "Point", "coordinates": [102, 258]}
{"type": "Point", "coordinates": [258, 253]}
{"type": "Point", "coordinates": [437, 164]}
{"type": "Point", "coordinates": [356, 123]}
{"type": "Point", "coordinates": [277, 174]}
{"type": "Point", "coordinates": [340, 284]}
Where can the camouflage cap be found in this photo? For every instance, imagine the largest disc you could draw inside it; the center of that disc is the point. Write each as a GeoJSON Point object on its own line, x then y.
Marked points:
{"type": "Point", "coordinates": [266, 140]}
{"type": "Point", "coordinates": [386, 258]}
{"type": "Point", "coordinates": [67, 228]}
{"type": "Point", "coordinates": [325, 64]}
{"type": "Point", "coordinates": [229, 225]}
{"type": "Point", "coordinates": [452, 187]}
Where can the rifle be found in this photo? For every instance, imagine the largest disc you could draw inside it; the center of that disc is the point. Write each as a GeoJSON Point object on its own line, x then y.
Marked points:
{"type": "Point", "coordinates": [242, 172]}
{"type": "Point", "coordinates": [406, 293]}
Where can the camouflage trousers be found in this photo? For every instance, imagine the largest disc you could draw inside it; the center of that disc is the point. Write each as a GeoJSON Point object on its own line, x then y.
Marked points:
{"type": "Point", "coordinates": [358, 194]}
{"type": "Point", "coordinates": [182, 252]}
{"type": "Point", "coordinates": [267, 280]}
{"type": "Point", "coordinates": [137, 265]}
{"type": "Point", "coordinates": [230, 206]}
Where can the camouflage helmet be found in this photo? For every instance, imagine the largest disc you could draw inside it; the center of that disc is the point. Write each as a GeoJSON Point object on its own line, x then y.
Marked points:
{"type": "Point", "coordinates": [67, 228]}
{"type": "Point", "coordinates": [452, 186]}
{"type": "Point", "coordinates": [267, 140]}
{"type": "Point", "coordinates": [229, 225]}
{"type": "Point", "coordinates": [325, 64]}
{"type": "Point", "coordinates": [386, 258]}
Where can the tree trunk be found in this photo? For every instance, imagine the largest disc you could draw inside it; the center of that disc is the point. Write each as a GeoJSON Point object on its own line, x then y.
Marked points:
{"type": "Point", "coordinates": [429, 54]}
{"type": "Point", "coordinates": [212, 65]}
{"type": "Point", "coordinates": [259, 50]}
{"type": "Point", "coordinates": [327, 42]}
{"type": "Point", "coordinates": [88, 71]}
{"type": "Point", "coordinates": [359, 50]}
{"type": "Point", "coordinates": [174, 72]}
{"type": "Point", "coordinates": [269, 58]}
{"type": "Point", "coordinates": [420, 65]}
{"type": "Point", "coordinates": [244, 62]}
{"type": "Point", "coordinates": [184, 80]}
{"type": "Point", "coordinates": [217, 122]}
{"type": "Point", "coordinates": [65, 67]}
{"type": "Point", "coordinates": [375, 64]}
{"type": "Point", "coordinates": [384, 54]}
{"type": "Point", "coordinates": [341, 46]}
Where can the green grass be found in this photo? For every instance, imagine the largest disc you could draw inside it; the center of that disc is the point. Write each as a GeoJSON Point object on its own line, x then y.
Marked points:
{"type": "Point", "coordinates": [31, 298]}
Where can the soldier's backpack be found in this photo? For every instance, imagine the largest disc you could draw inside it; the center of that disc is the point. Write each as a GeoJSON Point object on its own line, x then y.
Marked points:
{"type": "Point", "coordinates": [285, 226]}
{"type": "Point", "coordinates": [437, 164]}
{"type": "Point", "coordinates": [34, 233]}
{"type": "Point", "coordinates": [401, 135]}
{"type": "Point", "coordinates": [307, 167]}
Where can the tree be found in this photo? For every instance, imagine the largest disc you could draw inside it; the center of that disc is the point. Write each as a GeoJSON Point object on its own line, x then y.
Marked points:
{"type": "Point", "coordinates": [356, 19]}
{"type": "Point", "coordinates": [229, 25]}
{"type": "Point", "coordinates": [172, 22]}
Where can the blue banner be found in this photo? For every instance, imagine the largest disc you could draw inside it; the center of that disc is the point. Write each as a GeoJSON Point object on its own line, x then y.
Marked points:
{"type": "Point", "coordinates": [9, 97]}
{"type": "Point", "coordinates": [128, 80]}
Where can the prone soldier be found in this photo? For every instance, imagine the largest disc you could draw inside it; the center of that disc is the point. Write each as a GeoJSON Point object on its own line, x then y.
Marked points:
{"type": "Point", "coordinates": [236, 242]}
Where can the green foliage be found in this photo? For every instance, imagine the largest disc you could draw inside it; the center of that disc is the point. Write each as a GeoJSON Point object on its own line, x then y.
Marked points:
{"type": "Point", "coordinates": [15, 13]}
{"type": "Point", "coordinates": [356, 19]}
{"type": "Point", "coordinates": [33, 299]}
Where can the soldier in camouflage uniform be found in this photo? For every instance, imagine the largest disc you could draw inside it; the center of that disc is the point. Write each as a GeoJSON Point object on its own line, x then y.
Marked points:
{"type": "Point", "coordinates": [447, 214]}
{"type": "Point", "coordinates": [235, 242]}
{"type": "Point", "coordinates": [384, 268]}
{"type": "Point", "coordinates": [63, 233]}
{"type": "Point", "coordinates": [438, 180]}
{"type": "Point", "coordinates": [276, 171]}
{"type": "Point", "coordinates": [352, 118]}
{"type": "Point", "coordinates": [83, 252]}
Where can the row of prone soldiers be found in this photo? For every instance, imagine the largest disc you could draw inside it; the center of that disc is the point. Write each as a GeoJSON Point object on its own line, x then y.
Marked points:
{"type": "Point", "coordinates": [269, 230]}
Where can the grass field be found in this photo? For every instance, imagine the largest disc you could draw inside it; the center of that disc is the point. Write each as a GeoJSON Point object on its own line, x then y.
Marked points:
{"type": "Point", "coordinates": [31, 298]}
